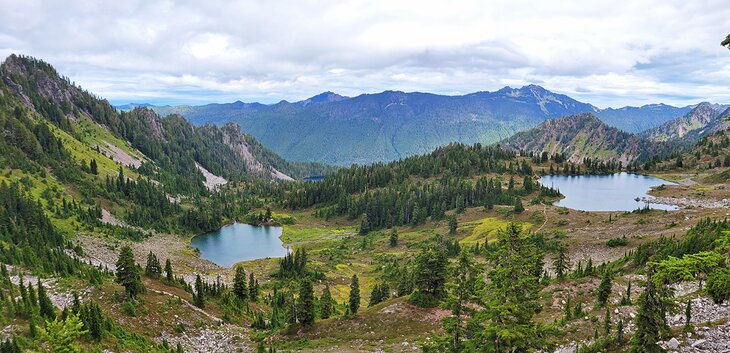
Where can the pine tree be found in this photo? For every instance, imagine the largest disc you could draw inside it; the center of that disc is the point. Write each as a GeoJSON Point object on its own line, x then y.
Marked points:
{"type": "Point", "coordinates": [394, 238]}
{"type": "Point", "coordinates": [168, 271]}
{"type": "Point", "coordinates": [253, 288]}
{"type": "Point", "coordinates": [47, 310]}
{"type": "Point", "coordinates": [512, 297]}
{"type": "Point", "coordinates": [61, 334]}
{"type": "Point", "coordinates": [607, 323]}
{"type": "Point", "coordinates": [604, 289]}
{"type": "Point", "coordinates": [354, 295]}
{"type": "Point", "coordinates": [452, 225]}
{"type": "Point", "coordinates": [199, 296]}
{"type": "Point", "coordinates": [239, 284]}
{"type": "Point", "coordinates": [153, 269]}
{"type": "Point", "coordinates": [518, 208]}
{"type": "Point", "coordinates": [306, 303]}
{"type": "Point", "coordinates": [688, 317]}
{"type": "Point", "coordinates": [430, 277]}
{"type": "Point", "coordinates": [128, 273]}
{"type": "Point", "coordinates": [463, 291]}
{"type": "Point", "coordinates": [326, 303]}
{"type": "Point", "coordinates": [649, 321]}
{"type": "Point", "coordinates": [93, 167]}
{"type": "Point", "coordinates": [620, 331]}
{"type": "Point", "coordinates": [560, 263]}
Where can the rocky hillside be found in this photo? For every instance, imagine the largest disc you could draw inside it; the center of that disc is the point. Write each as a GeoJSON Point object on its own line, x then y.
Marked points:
{"type": "Point", "coordinates": [578, 137]}
{"type": "Point", "coordinates": [638, 119]}
{"type": "Point", "coordinates": [172, 145]}
{"type": "Point", "coordinates": [702, 120]}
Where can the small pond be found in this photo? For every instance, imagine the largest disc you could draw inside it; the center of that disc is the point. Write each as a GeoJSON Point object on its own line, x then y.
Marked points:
{"type": "Point", "coordinates": [239, 242]}
{"type": "Point", "coordinates": [608, 192]}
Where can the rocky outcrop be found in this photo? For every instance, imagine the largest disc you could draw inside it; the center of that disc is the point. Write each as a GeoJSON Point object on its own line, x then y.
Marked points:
{"type": "Point", "coordinates": [237, 141]}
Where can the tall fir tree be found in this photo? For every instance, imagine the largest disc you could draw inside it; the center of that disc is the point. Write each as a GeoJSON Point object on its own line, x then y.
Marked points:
{"type": "Point", "coordinates": [240, 289]}
{"type": "Point", "coordinates": [199, 296]}
{"type": "Point", "coordinates": [128, 272]}
{"type": "Point", "coordinates": [648, 321]}
{"type": "Point", "coordinates": [354, 300]}
{"type": "Point", "coordinates": [168, 271]}
{"type": "Point", "coordinates": [326, 303]}
{"type": "Point", "coordinates": [306, 303]}
{"type": "Point", "coordinates": [152, 268]}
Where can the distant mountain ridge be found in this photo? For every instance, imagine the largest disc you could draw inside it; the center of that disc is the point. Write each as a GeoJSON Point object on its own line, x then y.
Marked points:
{"type": "Point", "coordinates": [390, 125]}
{"type": "Point", "coordinates": [582, 136]}
{"type": "Point", "coordinates": [704, 119]}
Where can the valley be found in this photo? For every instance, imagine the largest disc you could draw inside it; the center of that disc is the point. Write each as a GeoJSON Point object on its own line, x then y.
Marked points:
{"type": "Point", "coordinates": [146, 233]}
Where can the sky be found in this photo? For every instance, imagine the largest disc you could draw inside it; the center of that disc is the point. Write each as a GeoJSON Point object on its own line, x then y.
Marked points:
{"type": "Point", "coordinates": [607, 53]}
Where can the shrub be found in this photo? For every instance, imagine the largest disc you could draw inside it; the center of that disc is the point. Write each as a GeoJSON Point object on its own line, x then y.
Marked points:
{"type": "Point", "coordinates": [129, 309]}
{"type": "Point", "coordinates": [616, 242]}
{"type": "Point", "coordinates": [718, 285]}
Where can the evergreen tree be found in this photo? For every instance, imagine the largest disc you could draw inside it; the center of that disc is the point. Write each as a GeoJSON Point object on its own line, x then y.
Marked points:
{"type": "Point", "coordinates": [253, 288]}
{"type": "Point", "coordinates": [560, 263]}
{"type": "Point", "coordinates": [61, 334]}
{"type": "Point", "coordinates": [512, 297]}
{"type": "Point", "coordinates": [607, 323]}
{"type": "Point", "coordinates": [463, 291]}
{"type": "Point", "coordinates": [620, 331]}
{"type": "Point", "coordinates": [239, 284]}
{"type": "Point", "coordinates": [47, 310]}
{"type": "Point", "coordinates": [394, 238]}
{"type": "Point", "coordinates": [326, 303]}
{"type": "Point", "coordinates": [604, 289]}
{"type": "Point", "coordinates": [128, 273]}
{"type": "Point", "coordinates": [93, 167]}
{"type": "Point", "coordinates": [518, 208]}
{"type": "Point", "coordinates": [306, 303]}
{"type": "Point", "coordinates": [649, 321]}
{"type": "Point", "coordinates": [168, 271]}
{"type": "Point", "coordinates": [429, 277]}
{"type": "Point", "coordinates": [354, 295]}
{"type": "Point", "coordinates": [153, 269]}
{"type": "Point", "coordinates": [365, 225]}
{"type": "Point", "coordinates": [452, 225]}
{"type": "Point", "coordinates": [199, 296]}
{"type": "Point", "coordinates": [688, 317]}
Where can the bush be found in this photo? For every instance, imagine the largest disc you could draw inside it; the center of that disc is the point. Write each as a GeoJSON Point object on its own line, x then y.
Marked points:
{"type": "Point", "coordinates": [616, 242]}
{"type": "Point", "coordinates": [718, 285]}
{"type": "Point", "coordinates": [129, 309]}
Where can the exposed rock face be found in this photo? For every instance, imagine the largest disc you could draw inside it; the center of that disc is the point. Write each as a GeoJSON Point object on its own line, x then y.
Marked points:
{"type": "Point", "coordinates": [237, 141]}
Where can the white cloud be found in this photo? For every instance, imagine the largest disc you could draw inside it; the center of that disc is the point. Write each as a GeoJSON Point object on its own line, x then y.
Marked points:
{"type": "Point", "coordinates": [190, 51]}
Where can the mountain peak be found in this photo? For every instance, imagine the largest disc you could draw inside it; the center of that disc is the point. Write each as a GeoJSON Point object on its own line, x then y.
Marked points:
{"type": "Point", "coordinates": [324, 97]}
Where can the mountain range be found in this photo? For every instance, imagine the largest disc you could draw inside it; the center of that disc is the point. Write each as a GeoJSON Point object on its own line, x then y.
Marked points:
{"type": "Point", "coordinates": [391, 125]}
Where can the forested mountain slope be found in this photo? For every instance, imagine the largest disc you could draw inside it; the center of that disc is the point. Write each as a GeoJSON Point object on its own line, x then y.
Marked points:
{"type": "Point", "coordinates": [580, 137]}
{"type": "Point", "coordinates": [702, 120]}
{"type": "Point", "coordinates": [386, 126]}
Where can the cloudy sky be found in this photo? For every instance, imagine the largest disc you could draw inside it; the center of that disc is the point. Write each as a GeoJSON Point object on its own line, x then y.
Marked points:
{"type": "Point", "coordinates": [609, 53]}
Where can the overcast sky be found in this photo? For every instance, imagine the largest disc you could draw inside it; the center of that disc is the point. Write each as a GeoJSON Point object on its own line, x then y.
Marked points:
{"type": "Point", "coordinates": [608, 53]}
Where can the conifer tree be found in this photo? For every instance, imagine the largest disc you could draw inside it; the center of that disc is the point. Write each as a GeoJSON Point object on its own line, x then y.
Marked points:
{"type": "Point", "coordinates": [47, 310]}
{"type": "Point", "coordinates": [199, 297]}
{"type": "Point", "coordinates": [394, 238]}
{"type": "Point", "coordinates": [240, 289]}
{"type": "Point", "coordinates": [326, 303]}
{"type": "Point", "coordinates": [354, 295]}
{"type": "Point", "coordinates": [620, 331]}
{"type": "Point", "coordinates": [512, 297]}
{"type": "Point", "coordinates": [560, 263]}
{"type": "Point", "coordinates": [463, 291]}
{"type": "Point", "coordinates": [452, 225]}
{"type": "Point", "coordinates": [518, 207]}
{"type": "Point", "coordinates": [153, 269]}
{"type": "Point", "coordinates": [306, 303]}
{"type": "Point", "coordinates": [604, 289]}
{"type": "Point", "coordinates": [93, 167]}
{"type": "Point", "coordinates": [128, 273]}
{"type": "Point", "coordinates": [430, 277]}
{"type": "Point", "coordinates": [607, 323]}
{"type": "Point", "coordinates": [253, 288]}
{"type": "Point", "coordinates": [688, 317]}
{"type": "Point", "coordinates": [648, 321]}
{"type": "Point", "coordinates": [168, 271]}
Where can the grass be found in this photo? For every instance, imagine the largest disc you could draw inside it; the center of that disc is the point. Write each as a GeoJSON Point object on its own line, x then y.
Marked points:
{"type": "Point", "coordinates": [486, 229]}
{"type": "Point", "coordinates": [298, 234]}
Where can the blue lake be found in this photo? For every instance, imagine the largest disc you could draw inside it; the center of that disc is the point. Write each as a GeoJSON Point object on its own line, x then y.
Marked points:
{"type": "Point", "coordinates": [611, 192]}
{"type": "Point", "coordinates": [239, 242]}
